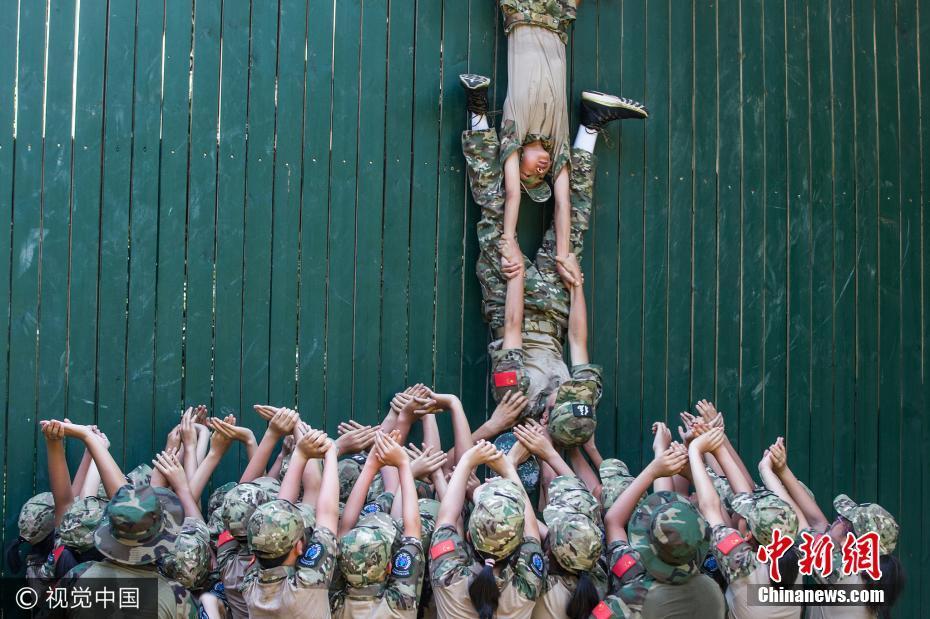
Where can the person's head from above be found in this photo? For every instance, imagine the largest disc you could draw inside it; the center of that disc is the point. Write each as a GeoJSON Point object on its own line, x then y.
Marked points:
{"type": "Point", "coordinates": [140, 525]}
{"type": "Point", "coordinates": [575, 544]}
{"type": "Point", "coordinates": [764, 512]}
{"type": "Point", "coordinates": [189, 561]}
{"type": "Point", "coordinates": [571, 420]}
{"type": "Point", "coordinates": [365, 551]}
{"type": "Point", "coordinates": [36, 524]}
{"type": "Point", "coordinates": [670, 536]}
{"type": "Point", "coordinates": [276, 534]}
{"type": "Point", "coordinates": [238, 506]}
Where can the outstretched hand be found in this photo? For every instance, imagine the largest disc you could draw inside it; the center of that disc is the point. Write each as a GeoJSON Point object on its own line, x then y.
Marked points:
{"type": "Point", "coordinates": [569, 270]}
{"type": "Point", "coordinates": [171, 468]}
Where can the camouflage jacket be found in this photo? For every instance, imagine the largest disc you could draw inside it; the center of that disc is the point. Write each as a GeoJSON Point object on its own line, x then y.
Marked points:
{"type": "Point", "coordinates": [735, 556]}
{"type": "Point", "coordinates": [555, 15]}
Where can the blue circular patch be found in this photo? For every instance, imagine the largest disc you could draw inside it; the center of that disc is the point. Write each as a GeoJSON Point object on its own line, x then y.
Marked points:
{"type": "Point", "coordinates": [710, 563]}
{"type": "Point", "coordinates": [402, 564]}
{"type": "Point", "coordinates": [371, 508]}
{"type": "Point", "coordinates": [312, 555]}
{"type": "Point", "coordinates": [536, 562]}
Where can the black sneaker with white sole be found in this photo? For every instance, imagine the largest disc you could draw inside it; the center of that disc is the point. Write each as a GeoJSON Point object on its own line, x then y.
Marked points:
{"type": "Point", "coordinates": [476, 86]}
{"type": "Point", "coordinates": [598, 109]}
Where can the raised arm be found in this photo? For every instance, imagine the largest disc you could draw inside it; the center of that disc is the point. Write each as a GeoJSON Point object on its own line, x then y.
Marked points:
{"type": "Point", "coordinates": [806, 503]}
{"type": "Point", "coordinates": [461, 431]}
{"type": "Point", "coordinates": [616, 518]}
{"type": "Point", "coordinates": [708, 500]}
{"type": "Point", "coordinates": [450, 509]}
{"type": "Point", "coordinates": [514, 270]}
{"type": "Point", "coordinates": [392, 454]}
{"type": "Point", "coordinates": [112, 476]}
{"type": "Point", "coordinates": [584, 471]}
{"type": "Point", "coordinates": [80, 475]}
{"type": "Point", "coordinates": [280, 425]}
{"type": "Point", "coordinates": [506, 413]}
{"type": "Point", "coordinates": [173, 471]}
{"type": "Point", "coordinates": [189, 442]}
{"type": "Point", "coordinates": [773, 483]}
{"type": "Point", "coordinates": [577, 313]}
{"type": "Point", "coordinates": [313, 444]}
{"type": "Point", "coordinates": [327, 506]}
{"type": "Point", "coordinates": [511, 196]}
{"type": "Point", "coordinates": [504, 467]}
{"type": "Point", "coordinates": [661, 441]}
{"type": "Point", "coordinates": [223, 436]}
{"type": "Point", "coordinates": [356, 500]}
{"type": "Point", "coordinates": [59, 476]}
{"type": "Point", "coordinates": [535, 439]}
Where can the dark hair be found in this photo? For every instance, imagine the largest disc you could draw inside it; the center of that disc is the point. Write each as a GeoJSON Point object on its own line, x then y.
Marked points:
{"type": "Point", "coordinates": [267, 564]}
{"type": "Point", "coordinates": [584, 599]}
{"type": "Point", "coordinates": [788, 566]}
{"type": "Point", "coordinates": [41, 549]}
{"type": "Point", "coordinates": [892, 583]}
{"type": "Point", "coordinates": [484, 593]}
{"type": "Point", "coordinates": [70, 557]}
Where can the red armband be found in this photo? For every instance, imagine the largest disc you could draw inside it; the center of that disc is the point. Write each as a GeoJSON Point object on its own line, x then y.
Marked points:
{"type": "Point", "coordinates": [731, 541]}
{"type": "Point", "coordinates": [57, 552]}
{"type": "Point", "coordinates": [441, 548]}
{"type": "Point", "coordinates": [505, 379]}
{"type": "Point", "coordinates": [224, 537]}
{"type": "Point", "coordinates": [623, 565]}
{"type": "Point", "coordinates": [602, 611]}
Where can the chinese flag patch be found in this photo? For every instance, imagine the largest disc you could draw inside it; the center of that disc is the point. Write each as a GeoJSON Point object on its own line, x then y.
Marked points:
{"type": "Point", "coordinates": [224, 537]}
{"type": "Point", "coordinates": [505, 379]}
{"type": "Point", "coordinates": [731, 541]}
{"type": "Point", "coordinates": [623, 565]}
{"type": "Point", "coordinates": [441, 548]}
{"type": "Point", "coordinates": [602, 611]}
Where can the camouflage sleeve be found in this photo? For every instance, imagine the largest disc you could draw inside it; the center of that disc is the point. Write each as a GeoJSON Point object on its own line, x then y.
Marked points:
{"type": "Point", "coordinates": [508, 369]}
{"type": "Point", "coordinates": [403, 587]}
{"type": "Point", "coordinates": [592, 374]}
{"type": "Point", "coordinates": [74, 573]}
{"type": "Point", "coordinates": [316, 566]}
{"type": "Point", "coordinates": [733, 553]}
{"type": "Point", "coordinates": [450, 557]}
{"type": "Point", "coordinates": [633, 595]}
{"type": "Point", "coordinates": [226, 552]}
{"type": "Point", "coordinates": [624, 564]}
{"type": "Point", "coordinates": [185, 607]}
{"type": "Point", "coordinates": [530, 569]}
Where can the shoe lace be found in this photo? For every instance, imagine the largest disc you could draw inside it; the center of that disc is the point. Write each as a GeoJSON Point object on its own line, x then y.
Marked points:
{"type": "Point", "coordinates": [603, 133]}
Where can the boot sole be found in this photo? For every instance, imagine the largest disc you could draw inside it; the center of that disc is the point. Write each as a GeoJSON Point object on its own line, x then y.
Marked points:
{"type": "Point", "coordinates": [472, 81]}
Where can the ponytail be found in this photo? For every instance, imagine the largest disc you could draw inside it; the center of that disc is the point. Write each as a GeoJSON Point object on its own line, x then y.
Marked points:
{"type": "Point", "coordinates": [892, 583]}
{"type": "Point", "coordinates": [13, 560]}
{"type": "Point", "coordinates": [584, 599]}
{"type": "Point", "coordinates": [483, 591]}
{"type": "Point", "coordinates": [788, 566]}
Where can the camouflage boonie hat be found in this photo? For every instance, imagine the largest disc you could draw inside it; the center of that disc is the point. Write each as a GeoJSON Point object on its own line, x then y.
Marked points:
{"type": "Point", "coordinates": [615, 478]}
{"type": "Point", "coordinates": [429, 511]}
{"type": "Point", "coordinates": [140, 476]}
{"type": "Point", "coordinates": [867, 518]}
{"type": "Point", "coordinates": [567, 493]}
{"type": "Point", "coordinates": [275, 528]}
{"type": "Point", "coordinates": [365, 551]}
{"type": "Point", "coordinates": [139, 525]}
{"type": "Point", "coordinates": [189, 562]}
{"type": "Point", "coordinates": [764, 512]}
{"type": "Point", "coordinates": [574, 539]}
{"type": "Point", "coordinates": [539, 192]}
{"type": "Point", "coordinates": [528, 470]}
{"type": "Point", "coordinates": [79, 522]}
{"type": "Point", "coordinates": [670, 536]}
{"type": "Point", "coordinates": [572, 420]}
{"type": "Point", "coordinates": [37, 518]}
{"type": "Point", "coordinates": [496, 522]}
{"type": "Point", "coordinates": [239, 505]}
{"type": "Point", "coordinates": [270, 485]}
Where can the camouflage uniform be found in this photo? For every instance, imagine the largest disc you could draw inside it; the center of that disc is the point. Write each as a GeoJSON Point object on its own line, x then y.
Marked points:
{"type": "Point", "coordinates": [233, 557]}
{"type": "Point", "coordinates": [139, 529]}
{"type": "Point", "coordinates": [189, 563]}
{"type": "Point", "coordinates": [140, 476]}
{"type": "Point", "coordinates": [36, 522]}
{"type": "Point", "coordinates": [538, 368]}
{"type": "Point", "coordinates": [75, 533]}
{"type": "Point", "coordinates": [555, 15]}
{"type": "Point", "coordinates": [349, 470]}
{"type": "Point", "coordinates": [215, 511]}
{"type": "Point", "coordinates": [615, 478]}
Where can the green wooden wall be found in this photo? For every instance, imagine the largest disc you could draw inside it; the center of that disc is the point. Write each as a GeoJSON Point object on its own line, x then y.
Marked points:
{"type": "Point", "coordinates": [223, 202]}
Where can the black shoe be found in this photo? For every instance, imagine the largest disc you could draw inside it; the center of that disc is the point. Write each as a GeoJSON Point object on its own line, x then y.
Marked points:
{"type": "Point", "coordinates": [477, 88]}
{"type": "Point", "coordinates": [598, 109]}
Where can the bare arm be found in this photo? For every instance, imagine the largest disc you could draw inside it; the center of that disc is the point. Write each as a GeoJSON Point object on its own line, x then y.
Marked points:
{"type": "Point", "coordinates": [312, 480]}
{"type": "Point", "coordinates": [616, 518]}
{"type": "Point", "coordinates": [773, 483]}
{"type": "Point", "coordinates": [578, 325]}
{"type": "Point", "coordinates": [511, 194]}
{"type": "Point", "coordinates": [356, 500]}
{"type": "Point", "coordinates": [281, 423]}
{"type": "Point", "coordinates": [562, 215]}
{"type": "Point", "coordinates": [583, 470]}
{"type": "Point", "coordinates": [806, 503]}
{"type": "Point", "coordinates": [77, 484]}
{"type": "Point", "coordinates": [59, 476]}
{"type": "Point", "coordinates": [112, 476]}
{"type": "Point", "coordinates": [513, 309]}
{"type": "Point", "coordinates": [708, 500]}
{"type": "Point", "coordinates": [327, 506]}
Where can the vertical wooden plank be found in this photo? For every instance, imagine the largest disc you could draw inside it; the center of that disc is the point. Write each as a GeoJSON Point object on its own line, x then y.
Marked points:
{"type": "Point", "coordinates": [114, 225]}
{"type": "Point", "coordinates": [729, 194]}
{"type": "Point", "coordinates": [752, 230]}
{"type": "Point", "coordinates": [680, 214]}
{"type": "Point", "coordinates": [822, 251]}
{"type": "Point", "coordinates": [798, 404]}
{"type": "Point", "coordinates": [775, 226]}
{"type": "Point", "coordinates": [259, 187]}
{"type": "Point", "coordinates": [424, 190]}
{"type": "Point", "coordinates": [56, 215]}
{"type": "Point", "coordinates": [867, 364]}
{"type": "Point", "coordinates": [172, 213]}
{"type": "Point", "coordinates": [8, 41]}
{"type": "Point", "coordinates": [143, 233]}
{"type": "Point", "coordinates": [889, 263]}
{"type": "Point", "coordinates": [845, 249]}
{"type": "Point", "coordinates": [912, 394]}
{"type": "Point", "coordinates": [230, 214]}
{"type": "Point", "coordinates": [24, 279]}
{"type": "Point", "coordinates": [201, 203]}
{"type": "Point", "coordinates": [314, 206]}
{"type": "Point", "coordinates": [286, 210]}
{"type": "Point", "coordinates": [369, 246]}
{"type": "Point", "coordinates": [656, 174]}
{"type": "Point", "coordinates": [628, 385]}
{"type": "Point", "coordinates": [343, 208]}
{"type": "Point", "coordinates": [704, 189]}
{"type": "Point", "coordinates": [923, 44]}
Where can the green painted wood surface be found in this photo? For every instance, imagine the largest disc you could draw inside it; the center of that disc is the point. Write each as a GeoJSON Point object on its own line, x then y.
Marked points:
{"type": "Point", "coordinates": [285, 216]}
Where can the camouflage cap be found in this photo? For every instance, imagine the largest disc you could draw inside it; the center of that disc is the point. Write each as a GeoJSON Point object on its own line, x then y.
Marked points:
{"type": "Point", "coordinates": [537, 189]}
{"type": "Point", "coordinates": [140, 525]}
{"type": "Point", "coordinates": [189, 562]}
{"type": "Point", "coordinates": [216, 497]}
{"type": "Point", "coordinates": [574, 540]}
{"type": "Point", "coordinates": [37, 518]}
{"type": "Point", "coordinates": [764, 512]}
{"type": "Point", "coordinates": [365, 551]}
{"type": "Point", "coordinates": [722, 486]}
{"type": "Point", "coordinates": [275, 528]}
{"type": "Point", "coordinates": [270, 485]}
{"type": "Point", "coordinates": [870, 517]}
{"type": "Point", "coordinates": [239, 505]}
{"type": "Point", "coordinates": [615, 478]}
{"type": "Point", "coordinates": [349, 470]}
{"type": "Point", "coordinates": [140, 476]}
{"type": "Point", "coordinates": [567, 493]}
{"type": "Point", "coordinates": [308, 513]}
{"type": "Point", "coordinates": [496, 522]}
{"type": "Point", "coordinates": [572, 420]}
{"type": "Point", "coordinates": [670, 536]}
{"type": "Point", "coordinates": [429, 511]}
{"type": "Point", "coordinates": [528, 470]}
{"type": "Point", "coordinates": [79, 522]}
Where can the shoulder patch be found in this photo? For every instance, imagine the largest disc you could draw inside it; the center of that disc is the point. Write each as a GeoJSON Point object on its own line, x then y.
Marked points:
{"type": "Point", "coordinates": [731, 541]}
{"type": "Point", "coordinates": [602, 611]}
{"type": "Point", "coordinates": [219, 590]}
{"type": "Point", "coordinates": [580, 409]}
{"type": "Point", "coordinates": [536, 564]}
{"type": "Point", "coordinates": [224, 538]}
{"type": "Point", "coordinates": [441, 548]}
{"type": "Point", "coordinates": [623, 565]}
{"type": "Point", "coordinates": [312, 555]}
{"type": "Point", "coordinates": [371, 508]}
{"type": "Point", "coordinates": [505, 379]}
{"type": "Point", "coordinates": [403, 564]}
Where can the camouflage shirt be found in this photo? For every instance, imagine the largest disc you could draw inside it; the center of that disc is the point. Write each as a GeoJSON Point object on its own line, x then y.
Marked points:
{"type": "Point", "coordinates": [734, 554]}
{"type": "Point", "coordinates": [293, 590]}
{"type": "Point", "coordinates": [234, 562]}
{"type": "Point", "coordinates": [555, 15]}
{"type": "Point", "coordinates": [174, 601]}
{"type": "Point", "coordinates": [399, 596]}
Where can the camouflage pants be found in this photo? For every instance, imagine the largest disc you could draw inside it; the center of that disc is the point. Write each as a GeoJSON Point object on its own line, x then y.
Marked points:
{"type": "Point", "coordinates": [546, 297]}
